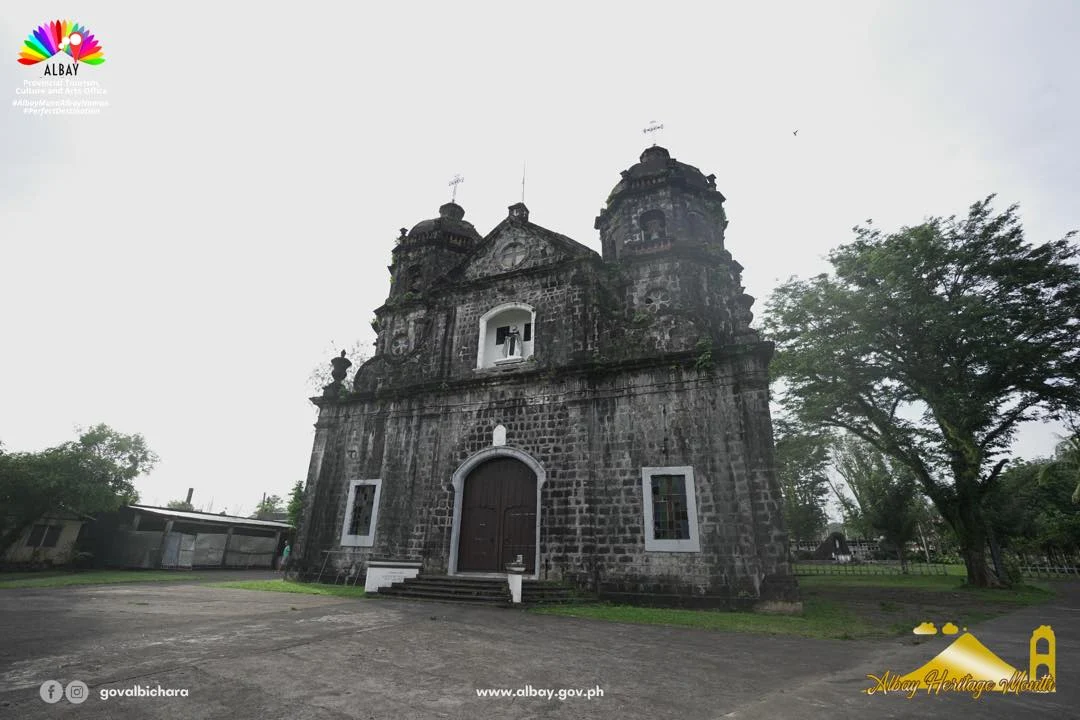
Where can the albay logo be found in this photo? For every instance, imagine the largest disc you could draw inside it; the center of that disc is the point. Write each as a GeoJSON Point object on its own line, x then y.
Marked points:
{"type": "Point", "coordinates": [61, 37]}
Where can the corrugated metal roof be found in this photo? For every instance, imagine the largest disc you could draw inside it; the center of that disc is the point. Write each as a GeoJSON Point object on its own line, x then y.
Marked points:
{"type": "Point", "coordinates": [210, 517]}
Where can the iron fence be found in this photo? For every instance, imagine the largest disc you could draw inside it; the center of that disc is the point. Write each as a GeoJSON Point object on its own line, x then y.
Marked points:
{"type": "Point", "coordinates": [870, 568]}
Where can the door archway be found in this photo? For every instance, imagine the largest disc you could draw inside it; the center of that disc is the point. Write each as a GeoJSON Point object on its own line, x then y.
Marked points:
{"type": "Point", "coordinates": [498, 517]}
{"type": "Point", "coordinates": [496, 512]}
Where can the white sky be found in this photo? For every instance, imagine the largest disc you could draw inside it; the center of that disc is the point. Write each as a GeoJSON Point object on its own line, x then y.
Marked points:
{"type": "Point", "coordinates": [178, 265]}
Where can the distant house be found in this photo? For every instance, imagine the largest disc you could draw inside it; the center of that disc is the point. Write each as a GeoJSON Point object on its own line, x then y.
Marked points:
{"type": "Point", "coordinates": [49, 541]}
{"type": "Point", "coordinates": [142, 536]}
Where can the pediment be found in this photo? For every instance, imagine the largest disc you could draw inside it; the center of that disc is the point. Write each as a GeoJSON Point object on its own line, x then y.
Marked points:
{"type": "Point", "coordinates": [516, 245]}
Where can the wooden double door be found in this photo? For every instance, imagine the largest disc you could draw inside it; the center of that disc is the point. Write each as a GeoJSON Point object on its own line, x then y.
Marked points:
{"type": "Point", "coordinates": [498, 517]}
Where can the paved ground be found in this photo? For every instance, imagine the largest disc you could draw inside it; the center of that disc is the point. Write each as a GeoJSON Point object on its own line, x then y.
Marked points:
{"type": "Point", "coordinates": [243, 654]}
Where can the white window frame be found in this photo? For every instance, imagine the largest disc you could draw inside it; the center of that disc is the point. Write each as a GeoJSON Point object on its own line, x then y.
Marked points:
{"type": "Point", "coordinates": [691, 544]}
{"type": "Point", "coordinates": [361, 540]}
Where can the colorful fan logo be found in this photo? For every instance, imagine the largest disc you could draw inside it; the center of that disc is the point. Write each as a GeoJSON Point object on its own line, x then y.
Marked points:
{"type": "Point", "coordinates": [61, 36]}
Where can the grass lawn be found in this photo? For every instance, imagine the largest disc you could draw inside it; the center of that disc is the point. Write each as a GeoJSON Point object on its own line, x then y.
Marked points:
{"type": "Point", "coordinates": [820, 619]}
{"type": "Point", "coordinates": [844, 607]}
{"type": "Point", "coordinates": [90, 577]}
{"type": "Point", "coordinates": [289, 586]}
{"type": "Point", "coordinates": [1030, 593]}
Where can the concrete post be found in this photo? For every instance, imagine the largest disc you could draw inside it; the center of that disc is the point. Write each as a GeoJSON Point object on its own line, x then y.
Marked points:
{"type": "Point", "coordinates": [514, 571]}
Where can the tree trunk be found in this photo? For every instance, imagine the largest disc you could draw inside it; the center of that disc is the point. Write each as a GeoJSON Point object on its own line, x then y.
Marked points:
{"type": "Point", "coordinates": [964, 515]}
{"type": "Point", "coordinates": [971, 534]}
{"type": "Point", "coordinates": [925, 547]}
{"type": "Point", "coordinates": [995, 554]}
{"type": "Point", "coordinates": [900, 556]}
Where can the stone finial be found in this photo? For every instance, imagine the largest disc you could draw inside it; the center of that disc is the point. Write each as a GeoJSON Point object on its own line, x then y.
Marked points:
{"type": "Point", "coordinates": [518, 211]}
{"type": "Point", "coordinates": [341, 366]}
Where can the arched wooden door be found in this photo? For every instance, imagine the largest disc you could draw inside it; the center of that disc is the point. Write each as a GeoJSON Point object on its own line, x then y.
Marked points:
{"type": "Point", "coordinates": [498, 517]}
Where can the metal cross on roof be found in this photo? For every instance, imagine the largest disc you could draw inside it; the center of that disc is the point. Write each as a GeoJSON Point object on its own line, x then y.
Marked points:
{"type": "Point", "coordinates": [454, 183]}
{"type": "Point", "coordinates": [653, 128]}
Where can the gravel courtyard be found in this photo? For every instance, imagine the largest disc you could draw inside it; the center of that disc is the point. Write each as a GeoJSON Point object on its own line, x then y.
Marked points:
{"type": "Point", "coordinates": [242, 654]}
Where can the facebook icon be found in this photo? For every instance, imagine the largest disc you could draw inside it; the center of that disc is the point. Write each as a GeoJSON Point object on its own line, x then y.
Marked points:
{"type": "Point", "coordinates": [51, 691]}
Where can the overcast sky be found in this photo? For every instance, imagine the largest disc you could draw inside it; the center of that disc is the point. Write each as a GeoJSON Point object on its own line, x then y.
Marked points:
{"type": "Point", "coordinates": [178, 265]}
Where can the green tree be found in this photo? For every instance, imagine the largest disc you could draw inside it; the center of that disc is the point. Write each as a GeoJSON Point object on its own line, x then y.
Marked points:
{"type": "Point", "coordinates": [93, 474]}
{"type": "Point", "coordinates": [1066, 463]}
{"type": "Point", "coordinates": [801, 462]}
{"type": "Point", "coordinates": [885, 497]}
{"type": "Point", "coordinates": [268, 507]}
{"type": "Point", "coordinates": [933, 344]}
{"type": "Point", "coordinates": [180, 505]}
{"type": "Point", "coordinates": [296, 503]}
{"type": "Point", "coordinates": [1033, 511]}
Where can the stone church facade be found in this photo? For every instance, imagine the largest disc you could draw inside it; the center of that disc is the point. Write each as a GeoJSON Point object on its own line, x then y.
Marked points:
{"type": "Point", "coordinates": [604, 416]}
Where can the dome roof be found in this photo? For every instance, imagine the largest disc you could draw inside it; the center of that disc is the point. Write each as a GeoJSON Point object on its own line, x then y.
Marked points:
{"type": "Point", "coordinates": [450, 221]}
{"type": "Point", "coordinates": [656, 165]}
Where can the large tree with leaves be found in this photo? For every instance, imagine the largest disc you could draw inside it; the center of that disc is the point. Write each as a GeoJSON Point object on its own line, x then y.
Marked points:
{"type": "Point", "coordinates": [1034, 512]}
{"type": "Point", "coordinates": [933, 344]}
{"type": "Point", "coordinates": [93, 474]}
{"type": "Point", "coordinates": [296, 503]}
{"type": "Point", "coordinates": [268, 507]}
{"type": "Point", "coordinates": [801, 467]}
{"type": "Point", "coordinates": [885, 499]}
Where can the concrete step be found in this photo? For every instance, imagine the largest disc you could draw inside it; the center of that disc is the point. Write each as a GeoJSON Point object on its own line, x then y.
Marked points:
{"type": "Point", "coordinates": [436, 595]}
{"type": "Point", "coordinates": [474, 591]}
{"type": "Point", "coordinates": [449, 589]}
{"type": "Point", "coordinates": [455, 582]}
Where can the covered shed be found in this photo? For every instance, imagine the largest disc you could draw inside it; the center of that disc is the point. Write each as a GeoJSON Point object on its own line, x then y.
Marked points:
{"type": "Point", "coordinates": [142, 536]}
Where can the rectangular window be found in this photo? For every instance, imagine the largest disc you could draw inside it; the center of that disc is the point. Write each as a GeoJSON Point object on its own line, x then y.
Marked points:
{"type": "Point", "coordinates": [670, 509]}
{"type": "Point", "coordinates": [361, 513]}
{"type": "Point", "coordinates": [362, 508]}
{"type": "Point", "coordinates": [670, 521]}
{"type": "Point", "coordinates": [51, 536]}
{"type": "Point", "coordinates": [36, 535]}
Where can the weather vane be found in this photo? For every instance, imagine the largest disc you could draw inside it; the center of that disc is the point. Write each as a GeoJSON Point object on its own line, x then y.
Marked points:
{"type": "Point", "coordinates": [654, 127]}
{"type": "Point", "coordinates": [454, 183]}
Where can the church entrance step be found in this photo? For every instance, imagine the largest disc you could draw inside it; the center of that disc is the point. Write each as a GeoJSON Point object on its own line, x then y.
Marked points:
{"type": "Point", "coordinates": [481, 591]}
{"type": "Point", "coordinates": [475, 590]}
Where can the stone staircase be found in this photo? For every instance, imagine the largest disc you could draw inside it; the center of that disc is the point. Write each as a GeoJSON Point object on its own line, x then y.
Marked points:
{"type": "Point", "coordinates": [444, 588]}
{"type": "Point", "coordinates": [476, 591]}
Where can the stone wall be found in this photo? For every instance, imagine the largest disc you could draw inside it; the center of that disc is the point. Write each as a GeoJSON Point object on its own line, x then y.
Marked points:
{"type": "Point", "coordinates": [592, 431]}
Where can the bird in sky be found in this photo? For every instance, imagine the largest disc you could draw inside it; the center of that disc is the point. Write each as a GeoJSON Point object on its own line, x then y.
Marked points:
{"type": "Point", "coordinates": [795, 133]}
